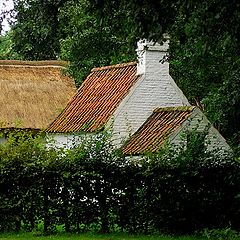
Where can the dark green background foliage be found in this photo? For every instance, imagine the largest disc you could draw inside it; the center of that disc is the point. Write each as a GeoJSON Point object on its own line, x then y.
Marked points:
{"type": "Point", "coordinates": [94, 41]}
{"type": "Point", "coordinates": [205, 60]}
{"type": "Point", "coordinates": [6, 47]}
{"type": "Point", "coordinates": [37, 32]}
{"type": "Point", "coordinates": [93, 187]}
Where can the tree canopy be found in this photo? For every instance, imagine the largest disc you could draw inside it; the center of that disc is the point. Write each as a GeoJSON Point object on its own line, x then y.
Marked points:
{"type": "Point", "coordinates": [204, 47]}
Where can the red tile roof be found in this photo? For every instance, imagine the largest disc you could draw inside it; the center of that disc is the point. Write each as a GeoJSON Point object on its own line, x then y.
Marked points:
{"type": "Point", "coordinates": [157, 128]}
{"type": "Point", "coordinates": [96, 99]}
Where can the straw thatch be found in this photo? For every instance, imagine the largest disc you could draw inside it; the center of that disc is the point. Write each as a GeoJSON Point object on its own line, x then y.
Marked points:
{"type": "Point", "coordinates": [32, 94]}
{"type": "Point", "coordinates": [34, 63]}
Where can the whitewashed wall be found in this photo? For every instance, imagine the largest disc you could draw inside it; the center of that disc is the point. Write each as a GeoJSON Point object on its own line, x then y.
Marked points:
{"type": "Point", "coordinates": [198, 122]}
{"type": "Point", "coordinates": [68, 140]}
{"type": "Point", "coordinates": [58, 140]}
{"type": "Point", "coordinates": [2, 140]}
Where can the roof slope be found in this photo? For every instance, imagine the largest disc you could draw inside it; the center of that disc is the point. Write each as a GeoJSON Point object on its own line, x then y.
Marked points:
{"type": "Point", "coordinates": [96, 99]}
{"type": "Point", "coordinates": [32, 93]}
{"type": "Point", "coordinates": [157, 128]}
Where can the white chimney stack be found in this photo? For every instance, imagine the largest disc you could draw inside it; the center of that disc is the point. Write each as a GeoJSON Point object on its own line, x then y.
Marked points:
{"type": "Point", "coordinates": [150, 55]}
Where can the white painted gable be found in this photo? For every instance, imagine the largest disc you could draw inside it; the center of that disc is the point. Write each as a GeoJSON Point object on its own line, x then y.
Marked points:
{"type": "Point", "coordinates": [199, 123]}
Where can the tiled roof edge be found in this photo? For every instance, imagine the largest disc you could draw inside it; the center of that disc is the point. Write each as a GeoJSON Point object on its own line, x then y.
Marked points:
{"type": "Point", "coordinates": [170, 109]}
{"type": "Point", "coordinates": [114, 66]}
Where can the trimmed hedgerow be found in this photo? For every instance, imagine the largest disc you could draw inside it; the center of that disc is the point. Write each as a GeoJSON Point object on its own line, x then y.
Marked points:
{"type": "Point", "coordinates": [92, 186]}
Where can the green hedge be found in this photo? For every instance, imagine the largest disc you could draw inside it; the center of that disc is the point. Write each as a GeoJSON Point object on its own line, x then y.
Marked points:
{"type": "Point", "coordinates": [94, 187]}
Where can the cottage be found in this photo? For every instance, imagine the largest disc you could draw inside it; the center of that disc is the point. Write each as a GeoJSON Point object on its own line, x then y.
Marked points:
{"type": "Point", "coordinates": [121, 97]}
{"type": "Point", "coordinates": [32, 94]}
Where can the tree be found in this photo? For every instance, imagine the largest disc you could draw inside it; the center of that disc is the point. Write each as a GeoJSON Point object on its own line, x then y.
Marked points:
{"type": "Point", "coordinates": [205, 61]}
{"type": "Point", "coordinates": [72, 30]}
{"type": "Point", "coordinates": [6, 47]}
{"type": "Point", "coordinates": [93, 41]}
{"type": "Point", "coordinates": [36, 34]}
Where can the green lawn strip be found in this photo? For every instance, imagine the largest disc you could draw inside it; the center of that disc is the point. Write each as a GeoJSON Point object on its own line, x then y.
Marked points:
{"type": "Point", "coordinates": [89, 236]}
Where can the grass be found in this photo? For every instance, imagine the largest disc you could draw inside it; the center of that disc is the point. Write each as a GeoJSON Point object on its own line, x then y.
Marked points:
{"type": "Point", "coordinates": [89, 236]}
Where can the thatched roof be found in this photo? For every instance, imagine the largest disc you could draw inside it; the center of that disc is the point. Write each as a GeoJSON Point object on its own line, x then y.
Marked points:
{"type": "Point", "coordinates": [32, 94]}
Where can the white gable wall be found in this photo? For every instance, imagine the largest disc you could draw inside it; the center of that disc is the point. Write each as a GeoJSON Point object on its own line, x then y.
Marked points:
{"type": "Point", "coordinates": [3, 140]}
{"type": "Point", "coordinates": [198, 122]}
{"type": "Point", "coordinates": [60, 140]}
{"type": "Point", "coordinates": [155, 89]}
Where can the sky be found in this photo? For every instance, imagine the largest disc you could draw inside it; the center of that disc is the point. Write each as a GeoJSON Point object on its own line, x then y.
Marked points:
{"type": "Point", "coordinates": [5, 5]}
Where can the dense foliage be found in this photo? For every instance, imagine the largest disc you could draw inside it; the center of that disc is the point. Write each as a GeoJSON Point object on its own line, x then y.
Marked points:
{"type": "Point", "coordinates": [36, 34]}
{"type": "Point", "coordinates": [205, 60]}
{"type": "Point", "coordinates": [93, 41]}
{"type": "Point", "coordinates": [6, 47]}
{"type": "Point", "coordinates": [94, 187]}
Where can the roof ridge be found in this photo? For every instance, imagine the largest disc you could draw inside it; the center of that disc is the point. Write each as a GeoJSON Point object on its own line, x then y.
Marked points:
{"type": "Point", "coordinates": [44, 63]}
{"type": "Point", "coordinates": [177, 108]}
{"type": "Point", "coordinates": [113, 66]}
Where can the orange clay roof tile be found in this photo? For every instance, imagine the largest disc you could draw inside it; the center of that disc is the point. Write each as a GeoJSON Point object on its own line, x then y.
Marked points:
{"type": "Point", "coordinates": [157, 128]}
{"type": "Point", "coordinates": [96, 99]}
